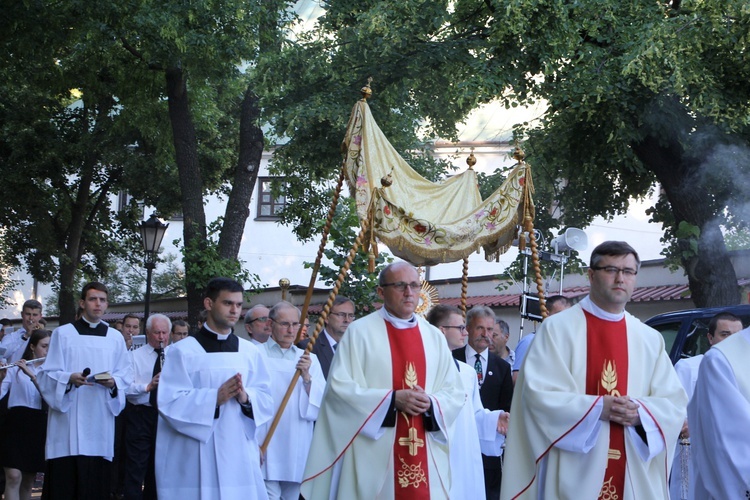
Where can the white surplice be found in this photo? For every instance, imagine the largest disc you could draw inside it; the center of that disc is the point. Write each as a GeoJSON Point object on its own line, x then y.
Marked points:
{"type": "Point", "coordinates": [352, 454]}
{"type": "Point", "coordinates": [287, 451]}
{"type": "Point", "coordinates": [474, 432]}
{"type": "Point", "coordinates": [199, 456]}
{"type": "Point", "coordinates": [719, 419]}
{"type": "Point", "coordinates": [557, 446]}
{"type": "Point", "coordinates": [81, 420]}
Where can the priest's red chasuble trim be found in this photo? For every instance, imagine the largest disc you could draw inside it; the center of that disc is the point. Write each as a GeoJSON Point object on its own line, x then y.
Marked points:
{"type": "Point", "coordinates": [410, 446]}
{"type": "Point", "coordinates": [607, 374]}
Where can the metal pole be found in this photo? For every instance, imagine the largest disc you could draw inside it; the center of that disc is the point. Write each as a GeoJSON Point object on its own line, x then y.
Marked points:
{"type": "Point", "coordinates": [149, 268]}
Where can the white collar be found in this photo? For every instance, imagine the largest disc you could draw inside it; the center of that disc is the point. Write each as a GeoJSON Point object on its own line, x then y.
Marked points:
{"type": "Point", "coordinates": [398, 323]}
{"type": "Point", "coordinates": [588, 305]}
{"type": "Point", "coordinates": [220, 336]}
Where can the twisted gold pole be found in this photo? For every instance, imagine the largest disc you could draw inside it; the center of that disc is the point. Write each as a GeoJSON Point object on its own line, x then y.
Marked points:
{"type": "Point", "coordinates": [537, 271]}
{"type": "Point", "coordinates": [528, 227]}
{"type": "Point", "coordinates": [464, 285]}
{"type": "Point", "coordinates": [319, 257]}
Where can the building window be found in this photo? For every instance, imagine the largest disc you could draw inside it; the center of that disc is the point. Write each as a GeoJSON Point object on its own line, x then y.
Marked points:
{"type": "Point", "coordinates": [270, 205]}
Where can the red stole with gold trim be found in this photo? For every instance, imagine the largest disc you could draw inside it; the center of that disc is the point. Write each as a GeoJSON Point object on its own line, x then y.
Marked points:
{"type": "Point", "coordinates": [607, 374]}
{"type": "Point", "coordinates": [410, 447]}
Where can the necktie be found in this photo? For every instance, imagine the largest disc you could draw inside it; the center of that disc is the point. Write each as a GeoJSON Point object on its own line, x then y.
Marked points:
{"type": "Point", "coordinates": [157, 370]}
{"type": "Point", "coordinates": [478, 368]}
{"type": "Point", "coordinates": [335, 346]}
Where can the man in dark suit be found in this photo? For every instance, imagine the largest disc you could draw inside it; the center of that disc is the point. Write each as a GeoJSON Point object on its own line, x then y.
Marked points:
{"type": "Point", "coordinates": [341, 315]}
{"type": "Point", "coordinates": [495, 381]}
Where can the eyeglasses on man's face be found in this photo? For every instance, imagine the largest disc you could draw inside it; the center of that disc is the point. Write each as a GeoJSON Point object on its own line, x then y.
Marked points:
{"type": "Point", "coordinates": [287, 325]}
{"type": "Point", "coordinates": [343, 315]}
{"type": "Point", "coordinates": [460, 328]}
{"type": "Point", "coordinates": [262, 319]}
{"type": "Point", "coordinates": [401, 286]}
{"type": "Point", "coordinates": [613, 271]}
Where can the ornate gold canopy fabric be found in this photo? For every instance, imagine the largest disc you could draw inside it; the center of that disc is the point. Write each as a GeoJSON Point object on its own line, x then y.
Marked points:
{"type": "Point", "coordinates": [423, 222]}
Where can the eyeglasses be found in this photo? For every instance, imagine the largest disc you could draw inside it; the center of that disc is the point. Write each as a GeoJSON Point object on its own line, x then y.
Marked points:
{"type": "Point", "coordinates": [612, 270]}
{"type": "Point", "coordinates": [401, 286]}
{"type": "Point", "coordinates": [262, 318]}
{"type": "Point", "coordinates": [459, 327]}
{"type": "Point", "coordinates": [344, 315]}
{"type": "Point", "coordinates": [285, 324]}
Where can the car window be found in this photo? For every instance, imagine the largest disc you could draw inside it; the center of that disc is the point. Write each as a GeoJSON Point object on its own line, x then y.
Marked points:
{"type": "Point", "coordinates": [696, 342]}
{"type": "Point", "coordinates": [669, 332]}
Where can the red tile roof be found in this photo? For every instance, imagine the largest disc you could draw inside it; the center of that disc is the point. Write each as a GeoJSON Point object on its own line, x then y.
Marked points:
{"type": "Point", "coordinates": [641, 294]}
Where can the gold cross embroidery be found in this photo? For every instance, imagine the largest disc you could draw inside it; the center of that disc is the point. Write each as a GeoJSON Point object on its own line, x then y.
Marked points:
{"type": "Point", "coordinates": [413, 442]}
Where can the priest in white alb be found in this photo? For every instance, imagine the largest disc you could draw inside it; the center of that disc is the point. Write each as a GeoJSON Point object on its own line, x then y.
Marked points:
{"type": "Point", "coordinates": [597, 406]}
{"type": "Point", "coordinates": [393, 391]}
{"type": "Point", "coordinates": [719, 417]}
{"type": "Point", "coordinates": [682, 478]}
{"type": "Point", "coordinates": [284, 461]}
{"type": "Point", "coordinates": [214, 391]}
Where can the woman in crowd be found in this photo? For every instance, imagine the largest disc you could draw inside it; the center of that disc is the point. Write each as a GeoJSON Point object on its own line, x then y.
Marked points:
{"type": "Point", "coordinates": [23, 445]}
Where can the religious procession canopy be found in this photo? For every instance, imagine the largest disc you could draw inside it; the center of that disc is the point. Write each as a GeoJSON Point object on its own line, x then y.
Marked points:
{"type": "Point", "coordinates": [423, 222]}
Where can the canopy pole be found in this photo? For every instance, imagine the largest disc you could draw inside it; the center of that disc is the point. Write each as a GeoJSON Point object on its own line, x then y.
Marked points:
{"type": "Point", "coordinates": [319, 257]}
{"type": "Point", "coordinates": [464, 285]}
{"type": "Point", "coordinates": [528, 227]}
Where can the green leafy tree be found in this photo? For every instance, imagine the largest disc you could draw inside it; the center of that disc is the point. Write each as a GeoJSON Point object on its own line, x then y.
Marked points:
{"type": "Point", "coordinates": [65, 144]}
{"type": "Point", "coordinates": [113, 93]}
{"type": "Point", "coordinates": [637, 93]}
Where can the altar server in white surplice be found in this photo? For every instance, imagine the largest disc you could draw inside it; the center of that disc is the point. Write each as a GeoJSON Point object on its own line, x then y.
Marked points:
{"type": "Point", "coordinates": [392, 392]}
{"type": "Point", "coordinates": [476, 429]}
{"type": "Point", "coordinates": [682, 478]}
{"type": "Point", "coordinates": [214, 391]}
{"type": "Point", "coordinates": [597, 406]}
{"type": "Point", "coordinates": [284, 461]}
{"type": "Point", "coordinates": [81, 419]}
{"type": "Point", "coordinates": [719, 417]}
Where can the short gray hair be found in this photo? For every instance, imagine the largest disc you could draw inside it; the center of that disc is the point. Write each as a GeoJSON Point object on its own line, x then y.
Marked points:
{"type": "Point", "coordinates": [154, 317]}
{"type": "Point", "coordinates": [479, 312]}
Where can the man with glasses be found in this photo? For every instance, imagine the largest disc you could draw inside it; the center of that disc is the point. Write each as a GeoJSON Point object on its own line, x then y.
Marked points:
{"type": "Point", "coordinates": [180, 331]}
{"type": "Point", "coordinates": [257, 325]}
{"type": "Point", "coordinates": [393, 391]}
{"type": "Point", "coordinates": [597, 406]}
{"type": "Point", "coordinates": [476, 429]}
{"type": "Point", "coordinates": [341, 315]}
{"type": "Point", "coordinates": [284, 463]}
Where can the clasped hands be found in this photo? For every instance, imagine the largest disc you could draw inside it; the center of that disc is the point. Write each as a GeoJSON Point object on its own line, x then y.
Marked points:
{"type": "Point", "coordinates": [232, 388]}
{"type": "Point", "coordinates": [413, 401]}
{"type": "Point", "coordinates": [620, 410]}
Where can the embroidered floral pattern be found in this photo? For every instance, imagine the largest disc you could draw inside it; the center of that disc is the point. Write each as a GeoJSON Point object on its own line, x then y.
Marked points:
{"type": "Point", "coordinates": [411, 475]}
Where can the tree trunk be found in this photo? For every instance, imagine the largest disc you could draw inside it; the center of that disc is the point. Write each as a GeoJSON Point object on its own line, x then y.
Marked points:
{"type": "Point", "coordinates": [245, 175]}
{"type": "Point", "coordinates": [711, 276]}
{"type": "Point", "coordinates": [191, 181]}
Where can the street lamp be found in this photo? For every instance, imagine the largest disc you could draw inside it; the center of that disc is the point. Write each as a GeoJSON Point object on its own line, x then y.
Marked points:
{"type": "Point", "coordinates": [152, 232]}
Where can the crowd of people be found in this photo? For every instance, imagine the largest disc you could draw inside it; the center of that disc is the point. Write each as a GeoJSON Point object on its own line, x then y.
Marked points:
{"type": "Point", "coordinates": [390, 405]}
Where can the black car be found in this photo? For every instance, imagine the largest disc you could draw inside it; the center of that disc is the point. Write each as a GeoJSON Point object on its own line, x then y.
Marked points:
{"type": "Point", "coordinates": [684, 332]}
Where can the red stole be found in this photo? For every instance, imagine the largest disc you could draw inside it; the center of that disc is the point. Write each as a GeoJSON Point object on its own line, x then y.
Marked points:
{"type": "Point", "coordinates": [607, 374]}
{"type": "Point", "coordinates": [410, 447]}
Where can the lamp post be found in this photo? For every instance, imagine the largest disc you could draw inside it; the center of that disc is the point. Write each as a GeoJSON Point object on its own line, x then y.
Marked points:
{"type": "Point", "coordinates": [152, 232]}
